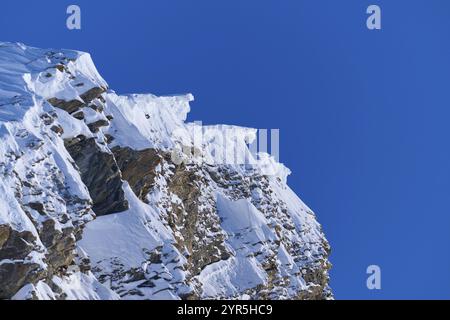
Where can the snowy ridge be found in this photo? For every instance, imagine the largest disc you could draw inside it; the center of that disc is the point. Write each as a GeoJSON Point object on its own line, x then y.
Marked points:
{"type": "Point", "coordinates": [219, 223]}
{"type": "Point", "coordinates": [147, 121]}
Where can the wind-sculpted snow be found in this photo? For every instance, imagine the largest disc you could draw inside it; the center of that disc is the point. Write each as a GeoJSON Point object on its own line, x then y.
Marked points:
{"type": "Point", "coordinates": [106, 196]}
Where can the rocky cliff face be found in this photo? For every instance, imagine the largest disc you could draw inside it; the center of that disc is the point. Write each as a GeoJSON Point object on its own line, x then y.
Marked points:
{"type": "Point", "coordinates": [116, 197]}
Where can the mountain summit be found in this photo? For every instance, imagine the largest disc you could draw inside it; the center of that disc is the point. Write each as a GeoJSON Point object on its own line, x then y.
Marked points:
{"type": "Point", "coordinates": [105, 196]}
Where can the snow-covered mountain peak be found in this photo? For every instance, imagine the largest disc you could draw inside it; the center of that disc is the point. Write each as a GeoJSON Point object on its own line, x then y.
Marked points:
{"type": "Point", "coordinates": [100, 200]}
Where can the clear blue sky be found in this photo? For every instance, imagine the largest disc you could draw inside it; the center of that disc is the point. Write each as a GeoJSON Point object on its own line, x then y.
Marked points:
{"type": "Point", "coordinates": [364, 116]}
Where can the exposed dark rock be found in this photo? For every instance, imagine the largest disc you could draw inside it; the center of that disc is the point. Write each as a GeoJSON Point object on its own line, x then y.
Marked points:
{"type": "Point", "coordinates": [109, 138]}
{"type": "Point", "coordinates": [199, 224]}
{"type": "Point", "coordinates": [138, 168]}
{"type": "Point", "coordinates": [48, 119]}
{"type": "Point", "coordinates": [16, 246]}
{"type": "Point", "coordinates": [101, 175]}
{"type": "Point", "coordinates": [96, 107]}
{"type": "Point", "coordinates": [95, 126]}
{"type": "Point", "coordinates": [92, 94]}
{"type": "Point", "coordinates": [60, 244]}
{"type": "Point", "coordinates": [78, 115]}
{"type": "Point", "coordinates": [69, 106]}
{"type": "Point", "coordinates": [39, 207]}
{"type": "Point", "coordinates": [57, 129]}
{"type": "Point", "coordinates": [13, 276]}
{"type": "Point", "coordinates": [73, 106]}
{"type": "Point", "coordinates": [4, 234]}
{"type": "Point", "coordinates": [61, 67]}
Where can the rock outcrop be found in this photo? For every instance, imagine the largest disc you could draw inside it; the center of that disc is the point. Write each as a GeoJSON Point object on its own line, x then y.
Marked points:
{"type": "Point", "coordinates": [117, 197]}
{"type": "Point", "coordinates": [100, 174]}
{"type": "Point", "coordinates": [138, 168]}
